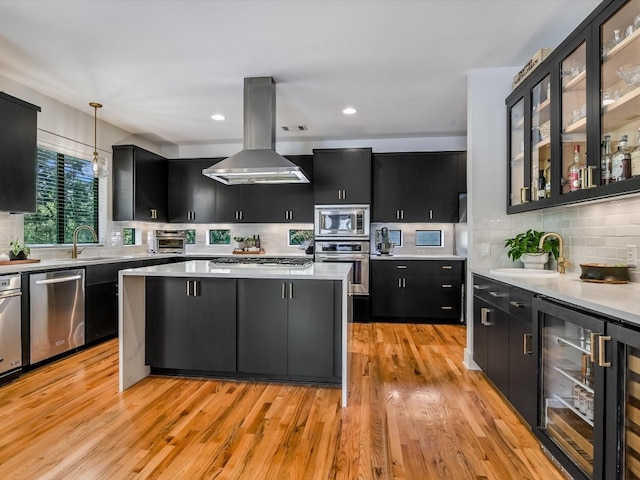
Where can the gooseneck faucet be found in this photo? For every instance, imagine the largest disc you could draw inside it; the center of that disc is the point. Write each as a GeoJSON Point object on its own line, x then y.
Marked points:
{"type": "Point", "coordinates": [74, 249]}
{"type": "Point", "coordinates": [561, 260]}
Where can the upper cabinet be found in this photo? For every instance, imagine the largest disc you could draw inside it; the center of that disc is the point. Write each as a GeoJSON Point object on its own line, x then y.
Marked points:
{"type": "Point", "coordinates": [291, 202]}
{"type": "Point", "coordinates": [18, 154]}
{"type": "Point", "coordinates": [417, 187]}
{"type": "Point", "coordinates": [139, 185]}
{"type": "Point", "coordinates": [342, 176]}
{"type": "Point", "coordinates": [192, 196]}
{"type": "Point", "coordinates": [573, 124]}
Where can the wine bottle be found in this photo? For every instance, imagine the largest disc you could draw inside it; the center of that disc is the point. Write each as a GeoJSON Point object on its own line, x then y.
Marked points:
{"type": "Point", "coordinates": [574, 171]}
{"type": "Point", "coordinates": [605, 164]}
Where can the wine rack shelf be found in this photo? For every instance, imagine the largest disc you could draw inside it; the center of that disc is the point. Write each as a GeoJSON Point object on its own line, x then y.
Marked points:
{"type": "Point", "coordinates": [572, 434]}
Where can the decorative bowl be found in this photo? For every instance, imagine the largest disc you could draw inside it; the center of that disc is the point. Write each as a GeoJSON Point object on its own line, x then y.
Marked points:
{"type": "Point", "coordinates": [603, 273]}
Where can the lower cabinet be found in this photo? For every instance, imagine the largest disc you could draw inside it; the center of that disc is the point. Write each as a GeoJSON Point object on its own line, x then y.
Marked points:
{"type": "Point", "coordinates": [191, 323]}
{"type": "Point", "coordinates": [426, 289]}
{"type": "Point", "coordinates": [503, 342]}
{"type": "Point", "coordinates": [287, 327]}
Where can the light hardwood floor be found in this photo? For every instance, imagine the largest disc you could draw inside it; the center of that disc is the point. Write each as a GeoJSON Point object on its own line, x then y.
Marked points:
{"type": "Point", "coordinates": [415, 413]}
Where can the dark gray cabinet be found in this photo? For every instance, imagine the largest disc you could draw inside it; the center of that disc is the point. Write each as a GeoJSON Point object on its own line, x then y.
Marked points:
{"type": "Point", "coordinates": [140, 188]}
{"type": "Point", "coordinates": [240, 203]}
{"type": "Point", "coordinates": [290, 203]}
{"type": "Point", "coordinates": [416, 289]}
{"type": "Point", "coordinates": [191, 324]}
{"type": "Point", "coordinates": [342, 176]}
{"type": "Point", "coordinates": [503, 342]}
{"type": "Point", "coordinates": [417, 187]}
{"type": "Point", "coordinates": [287, 327]}
{"type": "Point", "coordinates": [18, 154]}
{"type": "Point", "coordinates": [192, 196]}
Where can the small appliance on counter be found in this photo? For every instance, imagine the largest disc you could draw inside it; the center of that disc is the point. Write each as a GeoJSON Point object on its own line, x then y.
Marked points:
{"type": "Point", "coordinates": [385, 245]}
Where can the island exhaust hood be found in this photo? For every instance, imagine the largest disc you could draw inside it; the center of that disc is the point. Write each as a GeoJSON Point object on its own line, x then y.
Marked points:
{"type": "Point", "coordinates": [257, 162]}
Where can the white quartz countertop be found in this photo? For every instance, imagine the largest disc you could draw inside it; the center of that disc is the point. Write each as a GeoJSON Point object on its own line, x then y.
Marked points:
{"type": "Point", "coordinates": [97, 260]}
{"type": "Point", "coordinates": [377, 256]}
{"type": "Point", "coordinates": [202, 268]}
{"type": "Point", "coordinates": [616, 300]}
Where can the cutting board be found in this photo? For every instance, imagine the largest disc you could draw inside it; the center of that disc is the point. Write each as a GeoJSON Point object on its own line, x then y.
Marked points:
{"type": "Point", "coordinates": [18, 262]}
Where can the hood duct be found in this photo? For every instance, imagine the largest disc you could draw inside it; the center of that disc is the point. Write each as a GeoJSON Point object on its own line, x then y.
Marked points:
{"type": "Point", "coordinates": [257, 162]}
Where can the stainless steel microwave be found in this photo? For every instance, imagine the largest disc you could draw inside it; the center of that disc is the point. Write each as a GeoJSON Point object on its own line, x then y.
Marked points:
{"type": "Point", "coordinates": [341, 221]}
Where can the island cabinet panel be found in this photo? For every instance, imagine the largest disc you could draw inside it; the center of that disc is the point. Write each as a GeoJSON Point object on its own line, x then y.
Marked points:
{"type": "Point", "coordinates": [140, 185]}
{"type": "Point", "coordinates": [19, 121]}
{"type": "Point", "coordinates": [286, 327]}
{"type": "Point", "coordinates": [342, 176]}
{"type": "Point", "coordinates": [191, 324]}
{"type": "Point", "coordinates": [262, 326]}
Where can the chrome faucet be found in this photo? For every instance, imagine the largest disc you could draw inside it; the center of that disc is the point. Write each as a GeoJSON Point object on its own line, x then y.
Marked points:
{"type": "Point", "coordinates": [561, 260]}
{"type": "Point", "coordinates": [74, 249]}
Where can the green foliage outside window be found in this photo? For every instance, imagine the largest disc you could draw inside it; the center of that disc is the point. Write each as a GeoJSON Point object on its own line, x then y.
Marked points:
{"type": "Point", "coordinates": [66, 197]}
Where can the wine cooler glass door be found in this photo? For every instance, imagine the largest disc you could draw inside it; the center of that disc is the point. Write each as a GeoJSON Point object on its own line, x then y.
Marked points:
{"type": "Point", "coordinates": [569, 384]}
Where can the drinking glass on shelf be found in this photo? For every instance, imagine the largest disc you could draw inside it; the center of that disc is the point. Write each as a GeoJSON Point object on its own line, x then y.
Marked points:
{"type": "Point", "coordinates": [617, 36]}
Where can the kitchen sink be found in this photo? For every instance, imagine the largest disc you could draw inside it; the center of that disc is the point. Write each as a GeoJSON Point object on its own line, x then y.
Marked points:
{"type": "Point", "coordinates": [524, 272]}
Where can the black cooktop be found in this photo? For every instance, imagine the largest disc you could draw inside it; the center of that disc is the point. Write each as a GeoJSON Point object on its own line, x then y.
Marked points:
{"type": "Point", "coordinates": [267, 261]}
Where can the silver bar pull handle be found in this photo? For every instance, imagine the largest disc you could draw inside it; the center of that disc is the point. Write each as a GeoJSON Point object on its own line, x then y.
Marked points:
{"type": "Point", "coordinates": [447, 267]}
{"type": "Point", "coordinates": [513, 303]}
{"type": "Point", "coordinates": [444, 307]}
{"type": "Point", "coordinates": [291, 290]}
{"type": "Point", "coordinates": [195, 288]}
{"type": "Point", "coordinates": [480, 287]}
{"type": "Point", "coordinates": [399, 283]}
{"type": "Point", "coordinates": [188, 289]}
{"type": "Point", "coordinates": [497, 294]}
{"type": "Point", "coordinates": [404, 283]}
{"type": "Point", "coordinates": [401, 267]}
{"type": "Point", "coordinates": [72, 278]}
{"type": "Point", "coordinates": [526, 344]}
{"type": "Point", "coordinates": [447, 285]}
{"type": "Point", "coordinates": [284, 290]}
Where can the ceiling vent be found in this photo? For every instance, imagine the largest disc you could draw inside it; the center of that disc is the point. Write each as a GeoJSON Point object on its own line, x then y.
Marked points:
{"type": "Point", "coordinates": [294, 128]}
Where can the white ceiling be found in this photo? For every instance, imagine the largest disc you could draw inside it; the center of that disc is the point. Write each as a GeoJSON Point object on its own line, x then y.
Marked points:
{"type": "Point", "coordinates": [162, 68]}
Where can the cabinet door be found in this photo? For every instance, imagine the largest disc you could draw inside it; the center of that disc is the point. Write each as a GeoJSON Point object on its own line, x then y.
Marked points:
{"type": "Point", "coordinates": [356, 176]}
{"type": "Point", "coordinates": [387, 188]}
{"type": "Point", "coordinates": [327, 177]}
{"type": "Point", "coordinates": [262, 326]}
{"type": "Point", "coordinates": [101, 311]}
{"type": "Point", "coordinates": [169, 324]}
{"type": "Point", "coordinates": [276, 199]}
{"type": "Point", "coordinates": [192, 196]}
{"type": "Point", "coordinates": [214, 332]}
{"type": "Point", "coordinates": [240, 203]}
{"type": "Point", "coordinates": [480, 333]}
{"type": "Point", "coordinates": [414, 188]}
{"type": "Point", "coordinates": [498, 349]}
{"type": "Point", "coordinates": [17, 155]}
{"type": "Point", "coordinates": [443, 188]}
{"type": "Point", "coordinates": [310, 328]}
{"type": "Point", "coordinates": [300, 203]}
{"type": "Point", "coordinates": [151, 185]}
{"type": "Point", "coordinates": [386, 295]}
{"type": "Point", "coordinates": [416, 300]}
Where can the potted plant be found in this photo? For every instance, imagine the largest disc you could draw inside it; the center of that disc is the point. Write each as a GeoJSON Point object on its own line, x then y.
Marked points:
{"type": "Point", "coordinates": [241, 242]}
{"type": "Point", "coordinates": [524, 247]}
{"type": "Point", "coordinates": [18, 251]}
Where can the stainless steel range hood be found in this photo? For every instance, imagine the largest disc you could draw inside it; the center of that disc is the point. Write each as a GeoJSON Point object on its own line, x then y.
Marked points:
{"type": "Point", "coordinates": [257, 162]}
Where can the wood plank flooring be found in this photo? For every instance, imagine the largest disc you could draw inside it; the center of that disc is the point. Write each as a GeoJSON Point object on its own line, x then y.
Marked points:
{"type": "Point", "coordinates": [415, 413]}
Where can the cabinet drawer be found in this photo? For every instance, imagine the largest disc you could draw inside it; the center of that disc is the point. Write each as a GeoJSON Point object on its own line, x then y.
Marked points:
{"type": "Point", "coordinates": [446, 267]}
{"type": "Point", "coordinates": [416, 267]}
{"type": "Point", "coordinates": [520, 303]}
{"type": "Point", "coordinates": [441, 308]}
{"type": "Point", "coordinates": [494, 293]}
{"type": "Point", "coordinates": [446, 284]}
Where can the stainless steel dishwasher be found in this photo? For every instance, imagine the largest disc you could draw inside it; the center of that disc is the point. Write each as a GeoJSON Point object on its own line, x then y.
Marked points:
{"type": "Point", "coordinates": [10, 324]}
{"type": "Point", "coordinates": [56, 301]}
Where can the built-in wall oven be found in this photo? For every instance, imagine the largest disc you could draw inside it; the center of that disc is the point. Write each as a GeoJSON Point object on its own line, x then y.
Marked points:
{"type": "Point", "coordinates": [341, 221]}
{"type": "Point", "coordinates": [170, 241]}
{"type": "Point", "coordinates": [347, 251]}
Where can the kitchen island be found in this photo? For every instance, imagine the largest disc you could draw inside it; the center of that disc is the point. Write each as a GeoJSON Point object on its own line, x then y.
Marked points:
{"type": "Point", "coordinates": [312, 311]}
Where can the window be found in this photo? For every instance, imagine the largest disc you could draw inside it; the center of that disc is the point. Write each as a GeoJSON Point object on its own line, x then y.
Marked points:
{"type": "Point", "coordinates": [66, 197]}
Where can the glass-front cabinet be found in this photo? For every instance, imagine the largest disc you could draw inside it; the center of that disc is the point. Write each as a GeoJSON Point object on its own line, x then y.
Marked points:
{"type": "Point", "coordinates": [518, 194]}
{"type": "Point", "coordinates": [619, 36]}
{"type": "Point", "coordinates": [582, 115]}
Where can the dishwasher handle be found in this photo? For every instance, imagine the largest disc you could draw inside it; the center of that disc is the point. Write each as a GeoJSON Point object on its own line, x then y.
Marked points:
{"type": "Point", "coordinates": [72, 278]}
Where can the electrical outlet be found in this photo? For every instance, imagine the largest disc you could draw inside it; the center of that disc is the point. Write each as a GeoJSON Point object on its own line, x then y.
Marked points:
{"type": "Point", "coordinates": [632, 260]}
{"type": "Point", "coordinates": [486, 249]}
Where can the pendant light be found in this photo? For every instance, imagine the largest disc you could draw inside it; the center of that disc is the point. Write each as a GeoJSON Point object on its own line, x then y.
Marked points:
{"type": "Point", "coordinates": [99, 164]}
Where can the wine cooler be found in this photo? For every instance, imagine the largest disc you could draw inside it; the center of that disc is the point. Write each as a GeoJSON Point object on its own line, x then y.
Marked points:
{"type": "Point", "coordinates": [572, 385]}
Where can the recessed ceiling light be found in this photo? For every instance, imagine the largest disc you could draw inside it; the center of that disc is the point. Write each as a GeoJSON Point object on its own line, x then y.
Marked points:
{"type": "Point", "coordinates": [349, 111]}
{"type": "Point", "coordinates": [218, 117]}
